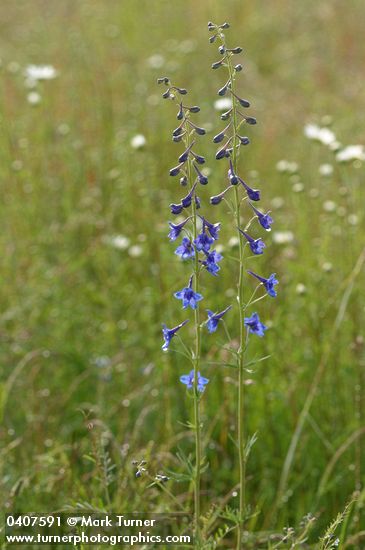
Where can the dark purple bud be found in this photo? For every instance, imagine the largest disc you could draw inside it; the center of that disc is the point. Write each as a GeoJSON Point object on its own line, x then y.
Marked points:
{"type": "Point", "coordinates": [197, 202]}
{"type": "Point", "coordinates": [183, 181]}
{"type": "Point", "coordinates": [177, 131]}
{"type": "Point", "coordinates": [180, 114]}
{"type": "Point", "coordinates": [222, 91]}
{"type": "Point", "coordinates": [211, 26]}
{"type": "Point", "coordinates": [163, 80]}
{"type": "Point", "coordinates": [177, 139]}
{"type": "Point", "coordinates": [184, 156]}
{"type": "Point", "coordinates": [218, 198]}
{"type": "Point", "coordinates": [176, 208]}
{"type": "Point", "coordinates": [174, 171]}
{"type": "Point", "coordinates": [138, 473]}
{"type": "Point", "coordinates": [226, 115]}
{"type": "Point", "coordinates": [202, 179]}
{"type": "Point", "coordinates": [194, 109]}
{"type": "Point", "coordinates": [220, 154]}
{"type": "Point", "coordinates": [213, 38]}
{"type": "Point", "coordinates": [236, 50]}
{"type": "Point", "coordinates": [233, 178]}
{"type": "Point", "coordinates": [199, 159]}
{"type": "Point", "coordinates": [244, 102]}
{"type": "Point", "coordinates": [217, 64]}
{"type": "Point", "coordinates": [182, 91]}
{"type": "Point", "coordinates": [222, 50]}
{"type": "Point", "coordinates": [199, 131]}
{"type": "Point", "coordinates": [186, 201]}
{"type": "Point", "coordinates": [251, 120]}
{"type": "Point", "coordinates": [219, 137]}
{"type": "Point", "coordinates": [244, 140]}
{"type": "Point", "coordinates": [166, 94]}
{"type": "Point", "coordinates": [225, 26]}
{"type": "Point", "coordinates": [253, 194]}
{"type": "Point", "coordinates": [238, 68]}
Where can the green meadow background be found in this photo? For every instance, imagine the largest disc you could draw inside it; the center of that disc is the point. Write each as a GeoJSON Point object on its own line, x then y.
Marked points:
{"type": "Point", "coordinates": [87, 272]}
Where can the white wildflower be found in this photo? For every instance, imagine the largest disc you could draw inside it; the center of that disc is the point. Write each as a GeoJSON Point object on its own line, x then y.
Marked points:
{"type": "Point", "coordinates": [223, 104]}
{"type": "Point", "coordinates": [282, 237]}
{"type": "Point", "coordinates": [135, 251]}
{"type": "Point", "coordinates": [118, 241]}
{"type": "Point", "coordinates": [329, 206]}
{"type": "Point", "coordinates": [138, 141]}
{"type": "Point", "coordinates": [326, 169]}
{"type": "Point", "coordinates": [40, 72]}
{"type": "Point", "coordinates": [351, 152]}
{"type": "Point", "coordinates": [34, 98]}
{"type": "Point", "coordinates": [323, 135]}
{"type": "Point", "coordinates": [353, 219]}
{"type": "Point", "coordinates": [300, 289]}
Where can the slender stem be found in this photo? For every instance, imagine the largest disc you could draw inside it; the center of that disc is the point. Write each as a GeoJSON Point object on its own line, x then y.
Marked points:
{"type": "Point", "coordinates": [196, 362]}
{"type": "Point", "coordinates": [242, 345]}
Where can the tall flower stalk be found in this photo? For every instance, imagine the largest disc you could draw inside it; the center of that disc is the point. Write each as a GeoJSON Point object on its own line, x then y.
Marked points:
{"type": "Point", "coordinates": [198, 236]}
{"type": "Point", "coordinates": [235, 120]}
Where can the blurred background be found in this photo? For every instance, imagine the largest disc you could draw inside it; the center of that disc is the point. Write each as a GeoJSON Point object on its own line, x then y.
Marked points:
{"type": "Point", "coordinates": [87, 272]}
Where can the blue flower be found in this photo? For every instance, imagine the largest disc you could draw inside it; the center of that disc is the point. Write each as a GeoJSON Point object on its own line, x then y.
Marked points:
{"type": "Point", "coordinates": [176, 208]}
{"type": "Point", "coordinates": [169, 333]}
{"type": "Point", "coordinates": [188, 296]}
{"type": "Point", "coordinates": [253, 194]}
{"type": "Point", "coordinates": [186, 249]}
{"type": "Point", "coordinates": [257, 245]}
{"type": "Point", "coordinates": [254, 325]}
{"type": "Point", "coordinates": [203, 242]}
{"type": "Point", "coordinates": [175, 229]}
{"type": "Point", "coordinates": [213, 228]}
{"type": "Point", "coordinates": [211, 262]}
{"type": "Point", "coordinates": [214, 318]}
{"type": "Point", "coordinates": [188, 380]}
{"type": "Point", "coordinates": [264, 219]}
{"type": "Point", "coordinates": [268, 283]}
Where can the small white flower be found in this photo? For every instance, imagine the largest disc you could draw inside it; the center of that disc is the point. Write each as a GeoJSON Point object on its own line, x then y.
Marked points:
{"type": "Point", "coordinates": [353, 219]}
{"type": "Point", "coordinates": [277, 202]}
{"type": "Point", "coordinates": [135, 251]}
{"type": "Point", "coordinates": [34, 98]}
{"type": "Point", "coordinates": [326, 169]}
{"type": "Point", "coordinates": [329, 206]}
{"type": "Point", "coordinates": [138, 141]}
{"type": "Point", "coordinates": [327, 267]}
{"type": "Point", "coordinates": [351, 152]}
{"type": "Point", "coordinates": [282, 237]}
{"type": "Point", "coordinates": [156, 61]}
{"type": "Point", "coordinates": [119, 241]}
{"type": "Point", "coordinates": [323, 135]}
{"type": "Point", "coordinates": [223, 104]}
{"type": "Point", "coordinates": [300, 289]}
{"type": "Point", "coordinates": [298, 187]}
{"type": "Point", "coordinates": [282, 165]}
{"type": "Point", "coordinates": [40, 72]}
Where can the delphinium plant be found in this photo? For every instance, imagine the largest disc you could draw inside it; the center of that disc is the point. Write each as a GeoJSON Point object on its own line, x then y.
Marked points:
{"type": "Point", "coordinates": [197, 236]}
{"type": "Point", "coordinates": [231, 141]}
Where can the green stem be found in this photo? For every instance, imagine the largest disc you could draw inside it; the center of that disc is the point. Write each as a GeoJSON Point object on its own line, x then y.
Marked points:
{"type": "Point", "coordinates": [241, 350]}
{"type": "Point", "coordinates": [196, 362]}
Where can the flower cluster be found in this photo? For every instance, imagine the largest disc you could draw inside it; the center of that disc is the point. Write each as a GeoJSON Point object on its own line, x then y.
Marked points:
{"type": "Point", "coordinates": [231, 136]}
{"type": "Point", "coordinates": [197, 234]}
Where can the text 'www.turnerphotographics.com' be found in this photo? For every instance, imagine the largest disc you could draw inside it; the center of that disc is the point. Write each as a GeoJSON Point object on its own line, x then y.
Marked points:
{"type": "Point", "coordinates": [104, 529]}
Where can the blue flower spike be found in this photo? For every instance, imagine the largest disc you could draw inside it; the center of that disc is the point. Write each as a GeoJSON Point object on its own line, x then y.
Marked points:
{"type": "Point", "coordinates": [188, 296]}
{"type": "Point", "coordinates": [188, 380]}
{"type": "Point", "coordinates": [269, 283]}
{"type": "Point", "coordinates": [169, 333]}
{"type": "Point", "coordinates": [214, 318]}
{"type": "Point", "coordinates": [254, 325]}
